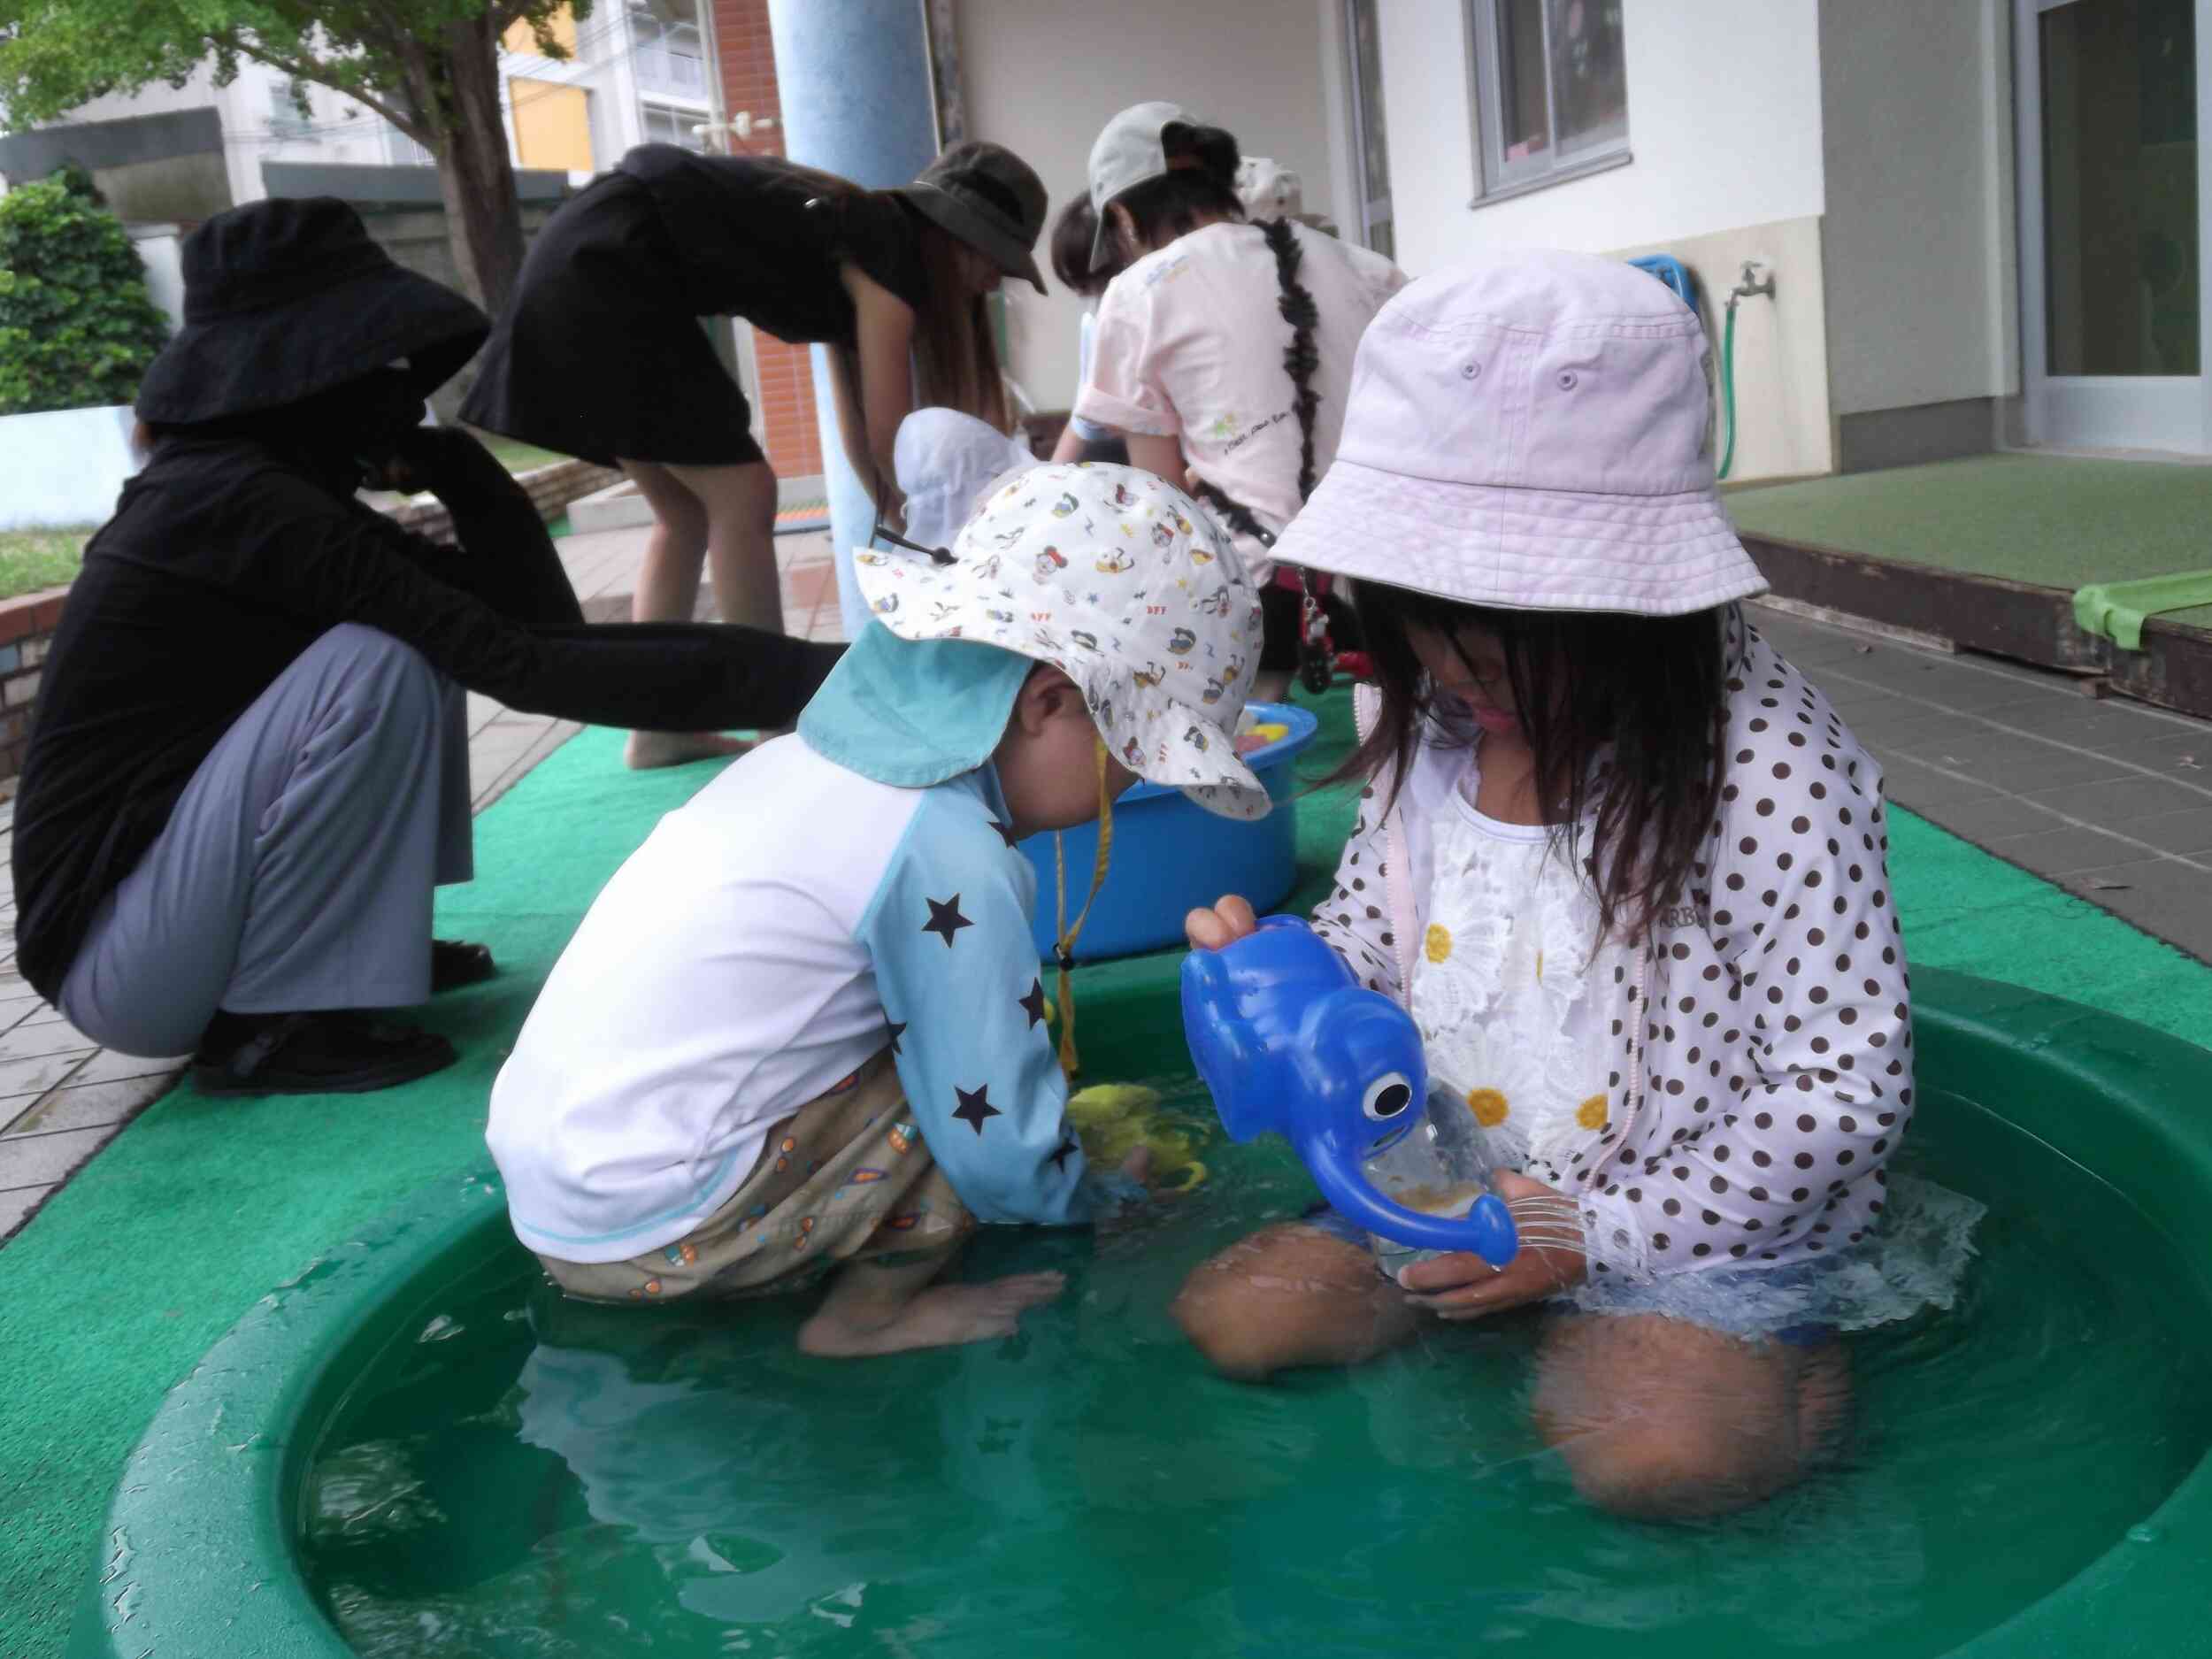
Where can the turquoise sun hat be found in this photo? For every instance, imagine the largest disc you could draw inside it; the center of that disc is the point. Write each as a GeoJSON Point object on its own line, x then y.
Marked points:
{"type": "Point", "coordinates": [1108, 574]}
{"type": "Point", "coordinates": [913, 712]}
{"type": "Point", "coordinates": [916, 712]}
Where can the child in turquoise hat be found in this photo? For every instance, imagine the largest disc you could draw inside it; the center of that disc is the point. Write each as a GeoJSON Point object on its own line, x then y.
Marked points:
{"type": "Point", "coordinates": [804, 1027]}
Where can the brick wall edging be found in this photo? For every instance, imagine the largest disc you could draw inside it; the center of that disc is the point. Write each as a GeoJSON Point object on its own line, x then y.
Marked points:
{"type": "Point", "coordinates": [28, 621]}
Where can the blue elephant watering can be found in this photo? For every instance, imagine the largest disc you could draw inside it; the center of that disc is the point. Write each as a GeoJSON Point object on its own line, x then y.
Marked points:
{"type": "Point", "coordinates": [1288, 1040]}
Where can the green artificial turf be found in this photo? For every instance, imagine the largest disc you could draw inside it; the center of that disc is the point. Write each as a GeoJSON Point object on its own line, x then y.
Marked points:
{"type": "Point", "coordinates": [2056, 521]}
{"type": "Point", "coordinates": [201, 1207]}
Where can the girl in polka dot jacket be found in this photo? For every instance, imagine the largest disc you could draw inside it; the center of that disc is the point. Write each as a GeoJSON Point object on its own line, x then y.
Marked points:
{"type": "Point", "coordinates": [1626, 866]}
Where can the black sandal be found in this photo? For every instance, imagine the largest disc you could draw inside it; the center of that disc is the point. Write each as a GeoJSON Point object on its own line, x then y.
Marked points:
{"type": "Point", "coordinates": [330, 1051]}
{"type": "Point", "coordinates": [455, 962]}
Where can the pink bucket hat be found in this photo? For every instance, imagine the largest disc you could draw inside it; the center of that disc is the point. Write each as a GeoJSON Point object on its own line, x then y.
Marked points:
{"type": "Point", "coordinates": [1532, 432]}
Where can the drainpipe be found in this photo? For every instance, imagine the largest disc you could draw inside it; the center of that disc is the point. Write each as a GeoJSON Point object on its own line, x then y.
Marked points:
{"type": "Point", "coordinates": [717, 114]}
{"type": "Point", "coordinates": [854, 85]}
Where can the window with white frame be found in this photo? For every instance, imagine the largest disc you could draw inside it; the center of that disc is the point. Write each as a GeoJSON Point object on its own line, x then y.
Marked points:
{"type": "Point", "coordinates": [1362, 43]}
{"type": "Point", "coordinates": [290, 115]}
{"type": "Point", "coordinates": [669, 56]}
{"type": "Point", "coordinates": [1551, 90]}
{"type": "Point", "coordinates": [664, 126]}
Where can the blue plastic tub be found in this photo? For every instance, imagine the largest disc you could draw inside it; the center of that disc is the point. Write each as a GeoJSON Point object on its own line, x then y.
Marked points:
{"type": "Point", "coordinates": [1170, 855]}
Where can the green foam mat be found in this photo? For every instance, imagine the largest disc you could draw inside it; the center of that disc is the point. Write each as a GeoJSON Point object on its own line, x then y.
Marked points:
{"type": "Point", "coordinates": [201, 1207]}
{"type": "Point", "coordinates": [2052, 521]}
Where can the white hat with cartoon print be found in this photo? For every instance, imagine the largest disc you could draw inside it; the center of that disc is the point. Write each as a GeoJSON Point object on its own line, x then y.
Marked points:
{"type": "Point", "coordinates": [1118, 579]}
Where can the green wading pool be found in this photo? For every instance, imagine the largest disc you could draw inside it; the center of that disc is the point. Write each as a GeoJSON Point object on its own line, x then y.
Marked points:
{"type": "Point", "coordinates": [413, 1449]}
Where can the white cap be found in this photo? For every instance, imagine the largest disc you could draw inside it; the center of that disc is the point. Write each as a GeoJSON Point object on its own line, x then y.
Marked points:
{"type": "Point", "coordinates": [1129, 152]}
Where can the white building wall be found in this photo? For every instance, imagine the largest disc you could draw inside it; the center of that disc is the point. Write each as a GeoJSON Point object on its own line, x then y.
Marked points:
{"type": "Point", "coordinates": [1724, 124]}
{"type": "Point", "coordinates": [1724, 136]}
{"type": "Point", "coordinates": [336, 128]}
{"type": "Point", "coordinates": [1042, 77]}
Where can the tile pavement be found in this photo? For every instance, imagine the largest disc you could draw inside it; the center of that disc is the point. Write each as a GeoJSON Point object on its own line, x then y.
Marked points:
{"type": "Point", "coordinates": [62, 1097]}
{"type": "Point", "coordinates": [2109, 799]}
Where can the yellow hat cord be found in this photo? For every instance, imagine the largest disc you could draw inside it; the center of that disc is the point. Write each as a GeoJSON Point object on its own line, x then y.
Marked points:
{"type": "Point", "coordinates": [1064, 943]}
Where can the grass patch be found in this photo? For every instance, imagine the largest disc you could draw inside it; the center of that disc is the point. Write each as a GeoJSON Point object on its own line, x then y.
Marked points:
{"type": "Point", "coordinates": [32, 560]}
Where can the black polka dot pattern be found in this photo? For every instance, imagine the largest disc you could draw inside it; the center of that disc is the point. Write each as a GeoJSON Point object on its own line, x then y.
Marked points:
{"type": "Point", "coordinates": [1355, 918]}
{"type": "Point", "coordinates": [1774, 1039]}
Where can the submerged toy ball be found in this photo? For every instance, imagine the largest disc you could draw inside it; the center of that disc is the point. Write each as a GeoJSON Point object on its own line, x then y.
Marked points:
{"type": "Point", "coordinates": [1287, 1040]}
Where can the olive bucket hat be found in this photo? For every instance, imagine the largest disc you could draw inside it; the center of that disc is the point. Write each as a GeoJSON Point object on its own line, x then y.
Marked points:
{"type": "Point", "coordinates": [289, 297]}
{"type": "Point", "coordinates": [989, 198]}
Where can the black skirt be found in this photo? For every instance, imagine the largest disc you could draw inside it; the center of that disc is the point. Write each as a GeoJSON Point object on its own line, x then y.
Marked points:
{"type": "Point", "coordinates": [600, 353]}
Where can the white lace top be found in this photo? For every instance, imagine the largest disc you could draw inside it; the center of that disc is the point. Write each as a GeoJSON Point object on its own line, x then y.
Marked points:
{"type": "Point", "coordinates": [1503, 989]}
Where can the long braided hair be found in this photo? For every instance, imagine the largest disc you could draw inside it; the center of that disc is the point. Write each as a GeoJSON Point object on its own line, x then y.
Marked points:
{"type": "Point", "coordinates": [1300, 358]}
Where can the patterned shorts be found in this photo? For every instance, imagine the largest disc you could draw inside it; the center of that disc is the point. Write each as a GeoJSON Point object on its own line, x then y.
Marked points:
{"type": "Point", "coordinates": [845, 1178]}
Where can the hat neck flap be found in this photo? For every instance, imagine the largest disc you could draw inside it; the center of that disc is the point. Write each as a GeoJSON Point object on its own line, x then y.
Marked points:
{"type": "Point", "coordinates": [914, 712]}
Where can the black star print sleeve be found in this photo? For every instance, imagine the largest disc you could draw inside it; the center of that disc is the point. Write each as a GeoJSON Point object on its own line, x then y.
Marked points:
{"type": "Point", "coordinates": [957, 969]}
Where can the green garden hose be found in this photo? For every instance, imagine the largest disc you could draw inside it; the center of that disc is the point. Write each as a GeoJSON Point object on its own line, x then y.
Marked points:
{"type": "Point", "coordinates": [1728, 388]}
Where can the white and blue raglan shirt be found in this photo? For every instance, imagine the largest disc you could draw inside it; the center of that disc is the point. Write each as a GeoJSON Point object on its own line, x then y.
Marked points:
{"type": "Point", "coordinates": [770, 937]}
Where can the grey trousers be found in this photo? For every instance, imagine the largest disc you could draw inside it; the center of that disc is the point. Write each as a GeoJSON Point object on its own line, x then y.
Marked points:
{"type": "Point", "coordinates": [296, 871]}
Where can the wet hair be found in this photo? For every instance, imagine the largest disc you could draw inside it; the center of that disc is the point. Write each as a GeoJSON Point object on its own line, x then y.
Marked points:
{"type": "Point", "coordinates": [1626, 715]}
{"type": "Point", "coordinates": [1200, 186]}
{"type": "Point", "coordinates": [1072, 233]}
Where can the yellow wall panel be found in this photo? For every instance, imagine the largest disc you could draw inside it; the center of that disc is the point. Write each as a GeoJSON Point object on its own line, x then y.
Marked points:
{"type": "Point", "coordinates": [552, 125]}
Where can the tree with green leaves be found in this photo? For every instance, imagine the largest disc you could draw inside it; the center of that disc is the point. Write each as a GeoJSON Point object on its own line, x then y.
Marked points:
{"type": "Point", "coordinates": [76, 326]}
{"type": "Point", "coordinates": [430, 67]}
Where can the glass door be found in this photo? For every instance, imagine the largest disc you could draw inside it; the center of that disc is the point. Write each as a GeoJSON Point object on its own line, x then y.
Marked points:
{"type": "Point", "coordinates": [2111, 234]}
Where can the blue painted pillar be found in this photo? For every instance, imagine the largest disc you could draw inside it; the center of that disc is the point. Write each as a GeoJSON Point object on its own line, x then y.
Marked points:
{"type": "Point", "coordinates": [853, 79]}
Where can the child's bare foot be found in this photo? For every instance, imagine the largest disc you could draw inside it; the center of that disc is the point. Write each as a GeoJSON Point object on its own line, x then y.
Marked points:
{"type": "Point", "coordinates": [648, 749]}
{"type": "Point", "coordinates": [940, 1316]}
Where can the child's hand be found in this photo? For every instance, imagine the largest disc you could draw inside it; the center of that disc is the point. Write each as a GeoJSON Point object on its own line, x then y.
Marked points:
{"type": "Point", "coordinates": [1230, 920]}
{"type": "Point", "coordinates": [1462, 1285]}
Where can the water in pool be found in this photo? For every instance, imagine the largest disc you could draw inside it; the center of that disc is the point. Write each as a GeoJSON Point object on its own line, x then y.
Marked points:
{"type": "Point", "coordinates": [531, 1477]}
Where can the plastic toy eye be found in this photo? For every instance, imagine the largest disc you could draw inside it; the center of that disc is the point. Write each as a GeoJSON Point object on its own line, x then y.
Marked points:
{"type": "Point", "coordinates": [1387, 1096]}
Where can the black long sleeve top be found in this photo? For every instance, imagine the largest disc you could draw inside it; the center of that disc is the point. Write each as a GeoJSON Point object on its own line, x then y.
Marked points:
{"type": "Point", "coordinates": [227, 559]}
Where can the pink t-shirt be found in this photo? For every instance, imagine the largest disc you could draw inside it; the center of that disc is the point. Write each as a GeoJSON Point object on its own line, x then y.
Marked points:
{"type": "Point", "coordinates": [1190, 344]}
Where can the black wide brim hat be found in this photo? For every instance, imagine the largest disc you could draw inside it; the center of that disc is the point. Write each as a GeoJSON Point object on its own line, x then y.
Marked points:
{"type": "Point", "coordinates": [991, 199]}
{"type": "Point", "coordinates": [287, 298]}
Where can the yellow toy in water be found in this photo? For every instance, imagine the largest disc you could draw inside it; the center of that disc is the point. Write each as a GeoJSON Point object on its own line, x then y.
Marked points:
{"type": "Point", "coordinates": [1113, 1119]}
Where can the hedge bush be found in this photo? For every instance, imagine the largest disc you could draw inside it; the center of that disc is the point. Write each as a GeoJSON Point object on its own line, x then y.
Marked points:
{"type": "Point", "coordinates": [76, 326]}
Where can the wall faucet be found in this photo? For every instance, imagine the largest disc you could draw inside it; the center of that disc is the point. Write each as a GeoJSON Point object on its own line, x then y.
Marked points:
{"type": "Point", "coordinates": [1752, 286]}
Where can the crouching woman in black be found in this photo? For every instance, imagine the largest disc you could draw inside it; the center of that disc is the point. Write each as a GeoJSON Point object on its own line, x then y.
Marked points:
{"type": "Point", "coordinates": [249, 768]}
